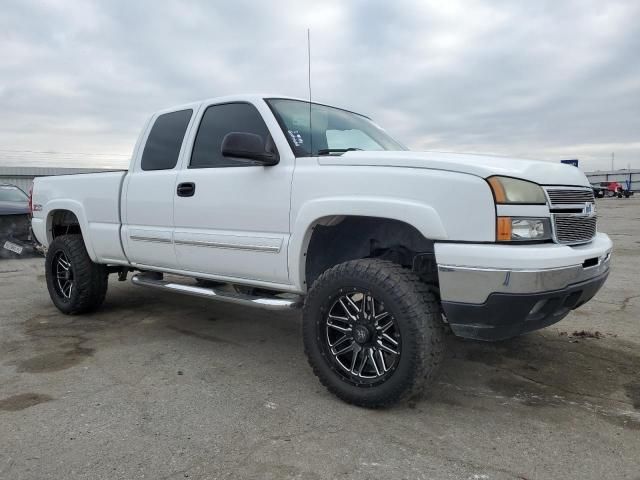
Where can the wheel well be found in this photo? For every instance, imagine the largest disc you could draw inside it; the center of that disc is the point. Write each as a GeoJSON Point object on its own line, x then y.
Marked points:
{"type": "Point", "coordinates": [338, 239]}
{"type": "Point", "coordinates": [64, 222]}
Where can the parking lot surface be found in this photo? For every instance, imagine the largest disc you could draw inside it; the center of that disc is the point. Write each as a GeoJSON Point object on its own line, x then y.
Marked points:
{"type": "Point", "coordinates": [165, 386]}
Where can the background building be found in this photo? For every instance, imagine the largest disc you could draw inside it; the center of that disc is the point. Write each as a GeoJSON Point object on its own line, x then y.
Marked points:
{"type": "Point", "coordinates": [630, 179]}
{"type": "Point", "coordinates": [23, 176]}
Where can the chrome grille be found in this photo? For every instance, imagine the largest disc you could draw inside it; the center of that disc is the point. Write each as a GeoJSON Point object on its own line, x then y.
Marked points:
{"type": "Point", "coordinates": [574, 228]}
{"type": "Point", "coordinates": [573, 214]}
{"type": "Point", "coordinates": [569, 196]}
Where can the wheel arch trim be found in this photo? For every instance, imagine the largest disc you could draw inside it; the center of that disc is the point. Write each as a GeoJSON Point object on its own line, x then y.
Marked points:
{"type": "Point", "coordinates": [424, 218]}
{"type": "Point", "coordinates": [77, 209]}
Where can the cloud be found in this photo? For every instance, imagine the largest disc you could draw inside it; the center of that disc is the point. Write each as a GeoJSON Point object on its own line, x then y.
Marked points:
{"type": "Point", "coordinates": [548, 79]}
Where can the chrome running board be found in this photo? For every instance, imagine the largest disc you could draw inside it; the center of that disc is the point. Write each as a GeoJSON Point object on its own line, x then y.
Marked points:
{"type": "Point", "coordinates": [269, 303]}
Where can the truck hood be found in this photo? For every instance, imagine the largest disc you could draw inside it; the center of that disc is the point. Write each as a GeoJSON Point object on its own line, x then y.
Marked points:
{"type": "Point", "coordinates": [543, 173]}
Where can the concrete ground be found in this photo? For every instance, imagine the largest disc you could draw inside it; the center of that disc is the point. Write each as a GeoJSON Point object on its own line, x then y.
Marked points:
{"type": "Point", "coordinates": [165, 386]}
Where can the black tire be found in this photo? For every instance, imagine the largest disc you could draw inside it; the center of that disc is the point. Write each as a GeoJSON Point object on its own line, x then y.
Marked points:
{"type": "Point", "coordinates": [89, 280]}
{"type": "Point", "coordinates": [418, 330]}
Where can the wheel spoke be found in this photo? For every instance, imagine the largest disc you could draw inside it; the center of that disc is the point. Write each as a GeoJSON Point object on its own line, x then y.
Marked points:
{"type": "Point", "coordinates": [338, 327]}
{"type": "Point", "coordinates": [63, 262]}
{"type": "Point", "coordinates": [382, 362]}
{"type": "Point", "coordinates": [339, 341]}
{"type": "Point", "coordinates": [362, 363]}
{"type": "Point", "coordinates": [340, 319]}
{"type": "Point", "coordinates": [388, 338]}
{"type": "Point", "coordinates": [354, 359]}
{"type": "Point", "coordinates": [346, 310]}
{"type": "Point", "coordinates": [381, 316]}
{"type": "Point", "coordinates": [386, 349]}
{"type": "Point", "coordinates": [344, 350]}
{"type": "Point", "coordinates": [386, 326]}
{"type": "Point", "coordinates": [352, 303]}
{"type": "Point", "coordinates": [373, 360]}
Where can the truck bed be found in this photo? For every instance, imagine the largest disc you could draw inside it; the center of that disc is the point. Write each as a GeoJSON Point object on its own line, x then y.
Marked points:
{"type": "Point", "coordinates": [95, 199]}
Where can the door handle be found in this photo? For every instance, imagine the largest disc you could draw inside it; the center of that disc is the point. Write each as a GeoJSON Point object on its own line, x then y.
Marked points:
{"type": "Point", "coordinates": [187, 189]}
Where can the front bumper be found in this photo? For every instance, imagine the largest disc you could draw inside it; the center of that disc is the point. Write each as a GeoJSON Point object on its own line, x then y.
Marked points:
{"type": "Point", "coordinates": [494, 299]}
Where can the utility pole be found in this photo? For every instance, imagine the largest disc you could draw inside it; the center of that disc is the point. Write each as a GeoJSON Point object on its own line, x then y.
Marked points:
{"type": "Point", "coordinates": [613, 158]}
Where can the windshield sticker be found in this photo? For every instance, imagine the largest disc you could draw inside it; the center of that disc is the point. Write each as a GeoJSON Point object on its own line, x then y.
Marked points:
{"type": "Point", "coordinates": [296, 138]}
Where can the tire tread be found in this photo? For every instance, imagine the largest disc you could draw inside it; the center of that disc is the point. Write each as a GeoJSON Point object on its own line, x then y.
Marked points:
{"type": "Point", "coordinates": [91, 279]}
{"type": "Point", "coordinates": [421, 309]}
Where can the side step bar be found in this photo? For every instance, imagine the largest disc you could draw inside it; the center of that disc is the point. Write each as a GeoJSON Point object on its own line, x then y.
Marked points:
{"type": "Point", "coordinates": [269, 303]}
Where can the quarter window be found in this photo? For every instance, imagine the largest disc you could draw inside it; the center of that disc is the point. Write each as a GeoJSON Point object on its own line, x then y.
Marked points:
{"type": "Point", "coordinates": [217, 121]}
{"type": "Point", "coordinates": [165, 139]}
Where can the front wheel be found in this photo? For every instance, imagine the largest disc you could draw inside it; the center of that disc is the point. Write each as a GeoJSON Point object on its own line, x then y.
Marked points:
{"type": "Point", "coordinates": [76, 284]}
{"type": "Point", "coordinates": [372, 332]}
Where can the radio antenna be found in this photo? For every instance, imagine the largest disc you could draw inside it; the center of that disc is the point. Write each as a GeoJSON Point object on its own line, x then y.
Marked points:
{"type": "Point", "coordinates": [309, 82]}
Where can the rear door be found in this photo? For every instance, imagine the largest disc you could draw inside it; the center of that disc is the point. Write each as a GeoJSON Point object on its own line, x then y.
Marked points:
{"type": "Point", "coordinates": [235, 223]}
{"type": "Point", "coordinates": [149, 194]}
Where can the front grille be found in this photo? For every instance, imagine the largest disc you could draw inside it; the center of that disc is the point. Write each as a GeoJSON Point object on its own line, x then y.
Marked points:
{"type": "Point", "coordinates": [573, 214]}
{"type": "Point", "coordinates": [574, 228]}
{"type": "Point", "coordinates": [569, 197]}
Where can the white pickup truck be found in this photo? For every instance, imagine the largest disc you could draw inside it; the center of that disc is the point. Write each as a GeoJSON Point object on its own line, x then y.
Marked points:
{"type": "Point", "coordinates": [278, 203]}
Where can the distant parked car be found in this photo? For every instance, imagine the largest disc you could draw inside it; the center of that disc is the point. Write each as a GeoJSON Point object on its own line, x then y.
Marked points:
{"type": "Point", "coordinates": [614, 189]}
{"type": "Point", "coordinates": [15, 222]}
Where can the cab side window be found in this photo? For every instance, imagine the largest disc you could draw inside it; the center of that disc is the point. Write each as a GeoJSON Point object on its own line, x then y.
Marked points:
{"type": "Point", "coordinates": [217, 121]}
{"type": "Point", "coordinates": [162, 149]}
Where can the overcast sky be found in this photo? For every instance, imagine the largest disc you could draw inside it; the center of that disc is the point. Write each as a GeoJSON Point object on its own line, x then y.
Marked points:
{"type": "Point", "coordinates": [537, 79]}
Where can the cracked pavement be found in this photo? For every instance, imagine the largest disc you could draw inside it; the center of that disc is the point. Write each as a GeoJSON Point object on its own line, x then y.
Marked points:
{"type": "Point", "coordinates": [164, 386]}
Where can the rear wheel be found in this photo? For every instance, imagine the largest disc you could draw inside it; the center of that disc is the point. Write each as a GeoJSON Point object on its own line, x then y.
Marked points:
{"type": "Point", "coordinates": [76, 284]}
{"type": "Point", "coordinates": [372, 332]}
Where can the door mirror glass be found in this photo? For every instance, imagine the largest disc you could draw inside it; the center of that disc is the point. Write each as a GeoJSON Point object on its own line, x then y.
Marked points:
{"type": "Point", "coordinates": [249, 146]}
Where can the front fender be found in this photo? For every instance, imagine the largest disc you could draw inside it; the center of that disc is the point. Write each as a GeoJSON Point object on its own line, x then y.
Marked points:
{"type": "Point", "coordinates": [422, 217]}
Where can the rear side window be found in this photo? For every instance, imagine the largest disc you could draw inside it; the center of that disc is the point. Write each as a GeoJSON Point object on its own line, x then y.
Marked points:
{"type": "Point", "coordinates": [217, 121]}
{"type": "Point", "coordinates": [165, 139]}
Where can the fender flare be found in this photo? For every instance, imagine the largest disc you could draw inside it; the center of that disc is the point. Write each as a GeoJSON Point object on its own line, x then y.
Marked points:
{"type": "Point", "coordinates": [422, 217]}
{"type": "Point", "coordinates": [77, 209]}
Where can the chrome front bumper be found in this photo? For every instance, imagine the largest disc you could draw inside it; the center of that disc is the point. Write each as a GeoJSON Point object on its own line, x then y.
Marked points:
{"type": "Point", "coordinates": [469, 273]}
{"type": "Point", "coordinates": [474, 285]}
{"type": "Point", "coordinates": [496, 301]}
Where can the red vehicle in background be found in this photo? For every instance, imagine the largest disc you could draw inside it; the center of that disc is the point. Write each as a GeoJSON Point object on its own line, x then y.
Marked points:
{"type": "Point", "coordinates": [613, 189]}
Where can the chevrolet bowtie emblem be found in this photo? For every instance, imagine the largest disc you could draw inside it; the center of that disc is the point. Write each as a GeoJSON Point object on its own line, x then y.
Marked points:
{"type": "Point", "coordinates": [588, 208]}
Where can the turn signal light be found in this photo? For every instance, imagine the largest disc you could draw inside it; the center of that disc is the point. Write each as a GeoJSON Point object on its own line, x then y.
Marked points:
{"type": "Point", "coordinates": [503, 232]}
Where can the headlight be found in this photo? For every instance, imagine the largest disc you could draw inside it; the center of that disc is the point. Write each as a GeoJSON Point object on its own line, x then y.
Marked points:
{"type": "Point", "coordinates": [512, 190]}
{"type": "Point", "coordinates": [514, 229]}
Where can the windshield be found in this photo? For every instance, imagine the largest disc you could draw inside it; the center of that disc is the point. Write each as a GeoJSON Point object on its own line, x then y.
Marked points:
{"type": "Point", "coordinates": [10, 193]}
{"type": "Point", "coordinates": [335, 131]}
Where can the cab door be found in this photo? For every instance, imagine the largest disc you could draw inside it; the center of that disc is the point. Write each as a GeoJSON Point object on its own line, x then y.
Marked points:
{"type": "Point", "coordinates": [149, 191]}
{"type": "Point", "coordinates": [232, 219]}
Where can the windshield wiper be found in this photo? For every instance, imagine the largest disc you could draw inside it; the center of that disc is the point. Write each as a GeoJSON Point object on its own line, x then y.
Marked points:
{"type": "Point", "coordinates": [329, 151]}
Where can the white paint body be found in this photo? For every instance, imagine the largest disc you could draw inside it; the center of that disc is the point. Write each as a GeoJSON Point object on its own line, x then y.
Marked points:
{"type": "Point", "coordinates": [252, 225]}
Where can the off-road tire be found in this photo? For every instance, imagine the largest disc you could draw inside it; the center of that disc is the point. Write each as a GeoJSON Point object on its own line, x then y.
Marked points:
{"type": "Point", "coordinates": [416, 310]}
{"type": "Point", "coordinates": [90, 279]}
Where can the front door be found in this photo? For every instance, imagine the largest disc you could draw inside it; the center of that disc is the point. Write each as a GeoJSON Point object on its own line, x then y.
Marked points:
{"type": "Point", "coordinates": [233, 221]}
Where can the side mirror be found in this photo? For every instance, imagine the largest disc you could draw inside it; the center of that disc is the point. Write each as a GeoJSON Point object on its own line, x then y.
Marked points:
{"type": "Point", "coordinates": [250, 146]}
